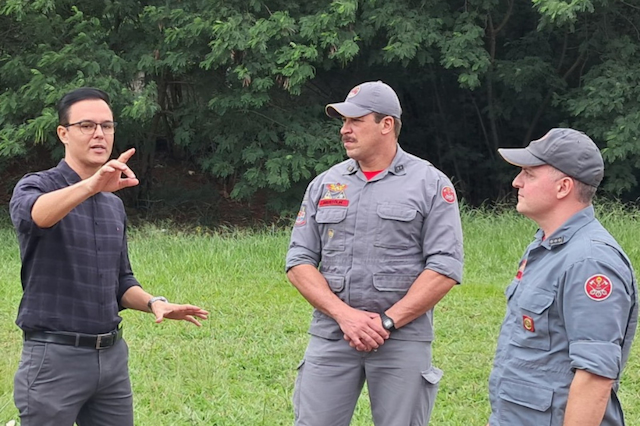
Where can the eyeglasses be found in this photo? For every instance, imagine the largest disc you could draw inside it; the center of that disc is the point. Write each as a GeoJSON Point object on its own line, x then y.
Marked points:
{"type": "Point", "coordinates": [89, 127]}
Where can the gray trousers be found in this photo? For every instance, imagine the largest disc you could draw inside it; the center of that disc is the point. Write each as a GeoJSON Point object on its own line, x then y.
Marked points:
{"type": "Point", "coordinates": [402, 383]}
{"type": "Point", "coordinates": [57, 385]}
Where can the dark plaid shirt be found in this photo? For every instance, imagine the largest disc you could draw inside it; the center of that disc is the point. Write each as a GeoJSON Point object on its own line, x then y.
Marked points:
{"type": "Point", "coordinates": [75, 273]}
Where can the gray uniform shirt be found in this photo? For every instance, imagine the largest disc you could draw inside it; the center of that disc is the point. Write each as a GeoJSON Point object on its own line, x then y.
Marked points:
{"type": "Point", "coordinates": [371, 239]}
{"type": "Point", "coordinates": [573, 305]}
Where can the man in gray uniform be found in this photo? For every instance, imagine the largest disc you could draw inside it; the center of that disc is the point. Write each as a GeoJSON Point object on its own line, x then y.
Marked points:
{"type": "Point", "coordinates": [384, 230]}
{"type": "Point", "coordinates": [572, 308]}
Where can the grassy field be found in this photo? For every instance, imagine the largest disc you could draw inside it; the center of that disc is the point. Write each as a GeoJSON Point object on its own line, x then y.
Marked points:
{"type": "Point", "coordinates": [239, 368]}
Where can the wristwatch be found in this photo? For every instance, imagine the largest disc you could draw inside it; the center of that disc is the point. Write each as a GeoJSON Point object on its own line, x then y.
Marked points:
{"type": "Point", "coordinates": [155, 299]}
{"type": "Point", "coordinates": [387, 323]}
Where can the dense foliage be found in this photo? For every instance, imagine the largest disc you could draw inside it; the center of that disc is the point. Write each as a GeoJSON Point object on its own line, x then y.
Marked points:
{"type": "Point", "coordinates": [238, 87]}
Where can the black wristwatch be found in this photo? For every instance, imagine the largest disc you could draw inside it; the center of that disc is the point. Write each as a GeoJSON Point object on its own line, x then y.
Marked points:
{"type": "Point", "coordinates": [387, 323]}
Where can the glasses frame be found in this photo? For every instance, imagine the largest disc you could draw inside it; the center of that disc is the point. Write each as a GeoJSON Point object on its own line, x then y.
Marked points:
{"type": "Point", "coordinates": [79, 123]}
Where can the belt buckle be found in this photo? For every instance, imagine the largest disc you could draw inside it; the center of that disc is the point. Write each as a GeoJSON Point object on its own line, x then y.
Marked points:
{"type": "Point", "coordinates": [109, 342]}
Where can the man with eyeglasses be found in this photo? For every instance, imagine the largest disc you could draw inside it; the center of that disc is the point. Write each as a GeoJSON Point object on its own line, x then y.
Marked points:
{"type": "Point", "coordinates": [76, 276]}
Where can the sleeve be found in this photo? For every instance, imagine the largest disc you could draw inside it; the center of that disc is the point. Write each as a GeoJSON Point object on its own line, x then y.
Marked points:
{"type": "Point", "coordinates": [305, 247]}
{"type": "Point", "coordinates": [126, 279]}
{"type": "Point", "coordinates": [25, 194]}
{"type": "Point", "coordinates": [442, 232]}
{"type": "Point", "coordinates": [597, 300]}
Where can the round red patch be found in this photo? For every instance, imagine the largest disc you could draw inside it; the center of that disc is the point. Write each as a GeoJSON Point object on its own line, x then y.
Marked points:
{"type": "Point", "coordinates": [353, 92]}
{"type": "Point", "coordinates": [448, 194]}
{"type": "Point", "coordinates": [598, 287]}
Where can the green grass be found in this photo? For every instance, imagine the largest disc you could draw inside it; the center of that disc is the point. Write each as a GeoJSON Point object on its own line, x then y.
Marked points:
{"type": "Point", "coordinates": [239, 368]}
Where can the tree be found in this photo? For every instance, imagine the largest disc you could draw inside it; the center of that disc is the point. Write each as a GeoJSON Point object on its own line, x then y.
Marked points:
{"type": "Point", "coordinates": [239, 86]}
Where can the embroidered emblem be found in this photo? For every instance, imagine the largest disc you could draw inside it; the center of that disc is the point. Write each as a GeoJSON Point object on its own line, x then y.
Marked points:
{"type": "Point", "coordinates": [334, 196]}
{"type": "Point", "coordinates": [448, 194]}
{"type": "Point", "coordinates": [353, 92]}
{"type": "Point", "coordinates": [598, 287]}
{"type": "Point", "coordinates": [521, 267]}
{"type": "Point", "coordinates": [330, 233]}
{"type": "Point", "coordinates": [527, 323]}
{"type": "Point", "coordinates": [301, 219]}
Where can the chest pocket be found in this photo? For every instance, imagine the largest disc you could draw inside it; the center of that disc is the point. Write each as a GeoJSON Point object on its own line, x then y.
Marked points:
{"type": "Point", "coordinates": [397, 226]}
{"type": "Point", "coordinates": [532, 316]}
{"type": "Point", "coordinates": [332, 228]}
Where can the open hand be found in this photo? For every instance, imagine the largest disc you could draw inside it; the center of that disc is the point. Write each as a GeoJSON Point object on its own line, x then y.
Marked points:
{"type": "Point", "coordinates": [173, 311]}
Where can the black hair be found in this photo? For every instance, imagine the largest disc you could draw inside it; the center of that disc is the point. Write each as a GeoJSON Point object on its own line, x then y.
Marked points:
{"type": "Point", "coordinates": [77, 95]}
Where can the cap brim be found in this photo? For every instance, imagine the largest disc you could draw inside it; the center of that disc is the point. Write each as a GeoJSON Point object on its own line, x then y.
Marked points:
{"type": "Point", "coordinates": [346, 109]}
{"type": "Point", "coordinates": [520, 157]}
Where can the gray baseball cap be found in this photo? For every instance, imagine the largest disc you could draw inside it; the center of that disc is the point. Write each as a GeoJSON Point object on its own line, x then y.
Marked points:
{"type": "Point", "coordinates": [570, 151]}
{"type": "Point", "coordinates": [373, 96]}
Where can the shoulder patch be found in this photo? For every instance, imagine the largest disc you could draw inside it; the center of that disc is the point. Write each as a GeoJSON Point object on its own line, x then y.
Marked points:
{"type": "Point", "coordinates": [598, 287]}
{"type": "Point", "coordinates": [301, 219]}
{"type": "Point", "coordinates": [448, 194]}
{"type": "Point", "coordinates": [521, 267]}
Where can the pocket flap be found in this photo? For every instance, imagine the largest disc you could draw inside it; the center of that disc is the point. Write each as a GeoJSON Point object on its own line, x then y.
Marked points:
{"type": "Point", "coordinates": [432, 375]}
{"type": "Point", "coordinates": [336, 282]}
{"type": "Point", "coordinates": [393, 282]}
{"type": "Point", "coordinates": [526, 394]}
{"type": "Point", "coordinates": [326, 215]}
{"type": "Point", "coordinates": [396, 212]}
{"type": "Point", "coordinates": [537, 301]}
{"type": "Point", "coordinates": [511, 288]}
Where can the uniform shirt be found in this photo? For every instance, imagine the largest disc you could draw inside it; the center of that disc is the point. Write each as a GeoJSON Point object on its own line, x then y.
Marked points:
{"type": "Point", "coordinates": [573, 305]}
{"type": "Point", "coordinates": [74, 273]}
{"type": "Point", "coordinates": [371, 239]}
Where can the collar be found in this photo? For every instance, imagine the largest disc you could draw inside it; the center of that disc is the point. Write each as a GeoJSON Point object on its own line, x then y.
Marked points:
{"type": "Point", "coordinates": [68, 173]}
{"type": "Point", "coordinates": [397, 166]}
{"type": "Point", "coordinates": [567, 230]}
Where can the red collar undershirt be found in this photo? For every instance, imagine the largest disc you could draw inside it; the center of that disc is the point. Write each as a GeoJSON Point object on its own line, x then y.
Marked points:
{"type": "Point", "coordinates": [371, 175]}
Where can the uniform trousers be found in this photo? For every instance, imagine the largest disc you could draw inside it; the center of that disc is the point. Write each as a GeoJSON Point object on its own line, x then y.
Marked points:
{"type": "Point", "coordinates": [57, 385]}
{"type": "Point", "coordinates": [401, 381]}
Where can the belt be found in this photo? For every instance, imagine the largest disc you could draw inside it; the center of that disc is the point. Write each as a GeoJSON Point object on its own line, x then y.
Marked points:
{"type": "Point", "coordinates": [96, 341]}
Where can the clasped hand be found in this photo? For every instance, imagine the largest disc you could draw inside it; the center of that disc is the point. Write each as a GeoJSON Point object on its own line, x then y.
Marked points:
{"type": "Point", "coordinates": [363, 330]}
